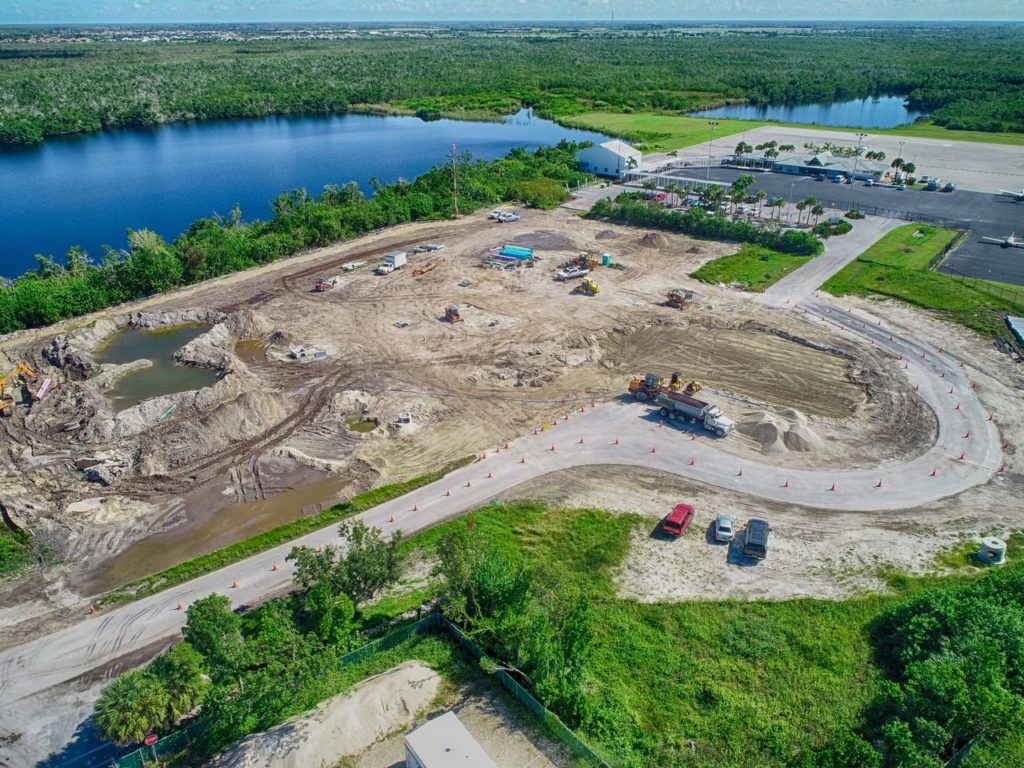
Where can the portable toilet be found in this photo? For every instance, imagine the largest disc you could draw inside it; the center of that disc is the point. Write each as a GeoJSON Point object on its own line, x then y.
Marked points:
{"type": "Point", "coordinates": [606, 260]}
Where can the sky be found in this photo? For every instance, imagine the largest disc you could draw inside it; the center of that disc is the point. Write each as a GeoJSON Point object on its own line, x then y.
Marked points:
{"type": "Point", "coordinates": [151, 11]}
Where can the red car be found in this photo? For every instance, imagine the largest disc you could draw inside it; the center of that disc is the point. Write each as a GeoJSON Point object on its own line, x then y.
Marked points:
{"type": "Point", "coordinates": [677, 521]}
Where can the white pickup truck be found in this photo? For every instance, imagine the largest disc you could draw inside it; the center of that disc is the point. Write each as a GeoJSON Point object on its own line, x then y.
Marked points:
{"type": "Point", "coordinates": [571, 273]}
{"type": "Point", "coordinates": [392, 261]}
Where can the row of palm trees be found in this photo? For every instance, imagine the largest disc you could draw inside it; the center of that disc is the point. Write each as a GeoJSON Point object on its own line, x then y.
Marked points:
{"type": "Point", "coordinates": [713, 196]}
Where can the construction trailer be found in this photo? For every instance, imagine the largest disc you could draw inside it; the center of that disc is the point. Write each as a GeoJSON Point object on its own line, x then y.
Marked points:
{"type": "Point", "coordinates": [444, 742]}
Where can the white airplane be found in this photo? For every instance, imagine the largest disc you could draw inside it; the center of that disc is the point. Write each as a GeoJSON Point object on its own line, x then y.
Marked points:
{"type": "Point", "coordinates": [1006, 242]}
{"type": "Point", "coordinates": [1017, 196]}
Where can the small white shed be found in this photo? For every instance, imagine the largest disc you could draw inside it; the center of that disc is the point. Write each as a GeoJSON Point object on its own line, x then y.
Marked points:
{"type": "Point", "coordinates": [444, 742]}
{"type": "Point", "coordinates": [612, 158]}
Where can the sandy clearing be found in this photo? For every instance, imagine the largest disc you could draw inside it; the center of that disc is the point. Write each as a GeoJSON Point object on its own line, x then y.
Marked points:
{"type": "Point", "coordinates": [344, 725]}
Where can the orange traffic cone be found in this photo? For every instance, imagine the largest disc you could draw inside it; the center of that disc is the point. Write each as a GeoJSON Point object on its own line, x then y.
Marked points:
{"type": "Point", "coordinates": [522, 459]}
{"type": "Point", "coordinates": [833, 487]}
{"type": "Point", "coordinates": [693, 461]}
{"type": "Point", "coordinates": [506, 445]}
{"type": "Point", "coordinates": [581, 439]}
{"type": "Point", "coordinates": [553, 448]}
{"type": "Point", "coordinates": [92, 610]}
{"type": "Point", "coordinates": [786, 484]}
{"type": "Point", "coordinates": [967, 435]}
{"type": "Point", "coordinates": [740, 473]}
{"type": "Point", "coordinates": [415, 507]}
{"type": "Point", "coordinates": [234, 584]}
{"type": "Point", "coordinates": [469, 483]}
{"type": "Point", "coordinates": [960, 457]}
{"type": "Point", "coordinates": [490, 476]}
{"type": "Point", "coordinates": [275, 568]}
{"type": "Point", "coordinates": [653, 449]}
{"type": "Point", "coordinates": [391, 519]}
{"type": "Point", "coordinates": [616, 441]}
{"type": "Point", "coordinates": [181, 607]}
{"type": "Point", "coordinates": [448, 492]}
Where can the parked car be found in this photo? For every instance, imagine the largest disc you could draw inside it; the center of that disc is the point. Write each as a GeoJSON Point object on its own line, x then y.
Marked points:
{"type": "Point", "coordinates": [724, 530]}
{"type": "Point", "coordinates": [571, 273]}
{"type": "Point", "coordinates": [901, 187]}
{"type": "Point", "coordinates": [755, 538]}
{"type": "Point", "coordinates": [869, 182]}
{"type": "Point", "coordinates": [950, 187]}
{"type": "Point", "coordinates": [678, 520]}
{"type": "Point", "coordinates": [507, 217]}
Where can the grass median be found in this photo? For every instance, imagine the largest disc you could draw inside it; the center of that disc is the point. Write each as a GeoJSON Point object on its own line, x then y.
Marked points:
{"type": "Point", "coordinates": [899, 266]}
{"type": "Point", "coordinates": [753, 265]}
{"type": "Point", "coordinates": [282, 534]}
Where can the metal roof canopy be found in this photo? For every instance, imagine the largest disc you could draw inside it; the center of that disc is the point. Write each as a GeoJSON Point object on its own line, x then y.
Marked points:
{"type": "Point", "coordinates": [444, 742]}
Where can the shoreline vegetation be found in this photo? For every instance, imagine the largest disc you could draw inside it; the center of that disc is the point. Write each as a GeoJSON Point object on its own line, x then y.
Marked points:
{"type": "Point", "coordinates": [212, 247]}
{"type": "Point", "coordinates": [962, 75]}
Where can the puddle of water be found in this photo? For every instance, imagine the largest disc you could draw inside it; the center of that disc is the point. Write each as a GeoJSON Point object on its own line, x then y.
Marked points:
{"type": "Point", "coordinates": [251, 351]}
{"type": "Point", "coordinates": [164, 377]}
{"type": "Point", "coordinates": [218, 529]}
{"type": "Point", "coordinates": [359, 424]}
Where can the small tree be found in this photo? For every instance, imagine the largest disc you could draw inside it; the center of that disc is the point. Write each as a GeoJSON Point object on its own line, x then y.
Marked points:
{"type": "Point", "coordinates": [130, 707]}
{"type": "Point", "coordinates": [215, 631]}
{"type": "Point", "coordinates": [817, 210]}
{"type": "Point", "coordinates": [180, 672]}
{"type": "Point", "coordinates": [360, 568]}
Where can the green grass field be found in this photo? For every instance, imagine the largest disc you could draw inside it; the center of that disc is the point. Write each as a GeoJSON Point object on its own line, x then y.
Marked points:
{"type": "Point", "coordinates": [15, 551]}
{"type": "Point", "coordinates": [752, 265]}
{"type": "Point", "coordinates": [749, 684]}
{"type": "Point", "coordinates": [661, 132]}
{"type": "Point", "coordinates": [898, 266]}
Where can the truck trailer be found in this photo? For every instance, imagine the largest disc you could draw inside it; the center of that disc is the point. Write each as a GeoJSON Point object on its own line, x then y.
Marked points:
{"type": "Point", "coordinates": [682, 407]}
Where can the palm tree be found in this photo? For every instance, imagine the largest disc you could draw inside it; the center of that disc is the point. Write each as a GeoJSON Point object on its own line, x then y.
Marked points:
{"type": "Point", "coordinates": [800, 206]}
{"type": "Point", "coordinates": [817, 210]}
{"type": "Point", "coordinates": [673, 191]}
{"type": "Point", "coordinates": [909, 168]}
{"type": "Point", "coordinates": [761, 195]}
{"type": "Point", "coordinates": [131, 706]}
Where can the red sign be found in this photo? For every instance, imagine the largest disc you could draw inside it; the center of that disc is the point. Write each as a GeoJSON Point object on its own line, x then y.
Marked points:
{"type": "Point", "coordinates": [150, 740]}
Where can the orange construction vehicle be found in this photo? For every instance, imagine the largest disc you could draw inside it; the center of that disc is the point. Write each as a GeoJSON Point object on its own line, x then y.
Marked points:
{"type": "Point", "coordinates": [20, 373]}
{"type": "Point", "coordinates": [652, 384]}
{"type": "Point", "coordinates": [678, 298]}
{"type": "Point", "coordinates": [452, 313]}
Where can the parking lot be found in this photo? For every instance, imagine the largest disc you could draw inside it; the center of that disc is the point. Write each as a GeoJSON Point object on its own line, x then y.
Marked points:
{"type": "Point", "coordinates": [985, 215]}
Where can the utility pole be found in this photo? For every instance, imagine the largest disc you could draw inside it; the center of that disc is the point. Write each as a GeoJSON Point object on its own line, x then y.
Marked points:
{"type": "Point", "coordinates": [455, 184]}
{"type": "Point", "coordinates": [853, 180]}
{"type": "Point", "coordinates": [713, 124]}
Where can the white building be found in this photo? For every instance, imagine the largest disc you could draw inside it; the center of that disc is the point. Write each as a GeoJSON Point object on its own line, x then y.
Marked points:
{"type": "Point", "coordinates": [613, 158]}
{"type": "Point", "coordinates": [444, 742]}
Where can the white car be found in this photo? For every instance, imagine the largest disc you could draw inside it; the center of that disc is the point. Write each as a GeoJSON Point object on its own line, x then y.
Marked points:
{"type": "Point", "coordinates": [725, 529]}
{"type": "Point", "coordinates": [505, 218]}
{"type": "Point", "coordinates": [571, 273]}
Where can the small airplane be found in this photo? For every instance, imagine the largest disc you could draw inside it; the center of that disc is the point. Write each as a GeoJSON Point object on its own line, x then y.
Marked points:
{"type": "Point", "coordinates": [1017, 196]}
{"type": "Point", "coordinates": [1006, 242]}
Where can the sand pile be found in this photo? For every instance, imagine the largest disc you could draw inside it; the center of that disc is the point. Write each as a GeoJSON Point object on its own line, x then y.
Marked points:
{"type": "Point", "coordinates": [341, 726]}
{"type": "Point", "coordinates": [766, 430]}
{"type": "Point", "coordinates": [789, 431]}
{"type": "Point", "coordinates": [654, 240]}
{"type": "Point", "coordinates": [605, 234]}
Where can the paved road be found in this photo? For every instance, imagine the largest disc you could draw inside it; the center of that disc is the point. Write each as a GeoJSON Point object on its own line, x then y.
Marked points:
{"type": "Point", "coordinates": [839, 251]}
{"type": "Point", "coordinates": [987, 215]}
{"type": "Point", "coordinates": [48, 684]}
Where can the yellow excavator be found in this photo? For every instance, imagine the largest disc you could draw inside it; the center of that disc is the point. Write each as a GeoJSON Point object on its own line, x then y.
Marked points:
{"type": "Point", "coordinates": [20, 373]}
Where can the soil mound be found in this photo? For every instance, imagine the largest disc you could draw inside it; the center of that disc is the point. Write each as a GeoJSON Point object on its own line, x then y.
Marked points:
{"type": "Point", "coordinates": [605, 234]}
{"type": "Point", "coordinates": [654, 240]}
{"type": "Point", "coordinates": [802, 438]}
{"type": "Point", "coordinates": [766, 430]}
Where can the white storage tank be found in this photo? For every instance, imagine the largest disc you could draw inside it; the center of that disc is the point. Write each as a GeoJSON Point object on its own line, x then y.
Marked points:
{"type": "Point", "coordinates": [992, 551]}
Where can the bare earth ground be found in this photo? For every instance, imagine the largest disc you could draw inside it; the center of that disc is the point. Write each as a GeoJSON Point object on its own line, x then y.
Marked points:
{"type": "Point", "coordinates": [506, 733]}
{"type": "Point", "coordinates": [271, 440]}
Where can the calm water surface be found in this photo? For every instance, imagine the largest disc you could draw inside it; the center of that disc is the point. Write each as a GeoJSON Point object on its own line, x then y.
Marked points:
{"type": "Point", "coordinates": [872, 112]}
{"type": "Point", "coordinates": [164, 377]}
{"type": "Point", "coordinates": [89, 190]}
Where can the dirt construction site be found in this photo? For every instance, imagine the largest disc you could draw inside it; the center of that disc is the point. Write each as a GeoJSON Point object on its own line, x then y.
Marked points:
{"type": "Point", "coordinates": [845, 437]}
{"type": "Point", "coordinates": [400, 391]}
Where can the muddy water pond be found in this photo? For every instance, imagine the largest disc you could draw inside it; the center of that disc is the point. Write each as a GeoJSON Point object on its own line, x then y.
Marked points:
{"type": "Point", "coordinates": [164, 376]}
{"type": "Point", "coordinates": [209, 528]}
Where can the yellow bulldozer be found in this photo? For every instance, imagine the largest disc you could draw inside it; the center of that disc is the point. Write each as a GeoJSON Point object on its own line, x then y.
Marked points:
{"type": "Point", "coordinates": [19, 374]}
{"type": "Point", "coordinates": [588, 287]}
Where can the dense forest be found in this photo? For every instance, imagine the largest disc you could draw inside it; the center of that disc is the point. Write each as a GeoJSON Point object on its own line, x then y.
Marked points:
{"type": "Point", "coordinates": [969, 78]}
{"type": "Point", "coordinates": [218, 246]}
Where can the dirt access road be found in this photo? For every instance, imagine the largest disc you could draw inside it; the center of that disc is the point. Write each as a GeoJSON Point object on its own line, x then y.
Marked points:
{"type": "Point", "coordinates": [43, 706]}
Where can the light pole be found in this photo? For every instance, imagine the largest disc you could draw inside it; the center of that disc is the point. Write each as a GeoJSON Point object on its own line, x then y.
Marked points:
{"type": "Point", "coordinates": [856, 157]}
{"type": "Point", "coordinates": [792, 185]}
{"type": "Point", "coordinates": [713, 124]}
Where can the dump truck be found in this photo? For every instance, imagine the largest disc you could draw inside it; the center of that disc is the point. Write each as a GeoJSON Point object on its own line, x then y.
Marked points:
{"type": "Point", "coordinates": [678, 298]}
{"type": "Point", "coordinates": [680, 406]}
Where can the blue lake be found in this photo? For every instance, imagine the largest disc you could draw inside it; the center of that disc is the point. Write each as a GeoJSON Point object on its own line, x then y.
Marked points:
{"type": "Point", "coordinates": [89, 190]}
{"type": "Point", "coordinates": [872, 112]}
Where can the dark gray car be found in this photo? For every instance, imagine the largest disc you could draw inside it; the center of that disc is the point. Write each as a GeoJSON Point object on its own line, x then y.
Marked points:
{"type": "Point", "coordinates": [755, 538]}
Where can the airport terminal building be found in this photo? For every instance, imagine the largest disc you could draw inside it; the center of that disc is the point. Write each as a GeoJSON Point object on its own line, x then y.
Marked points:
{"type": "Point", "coordinates": [814, 164]}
